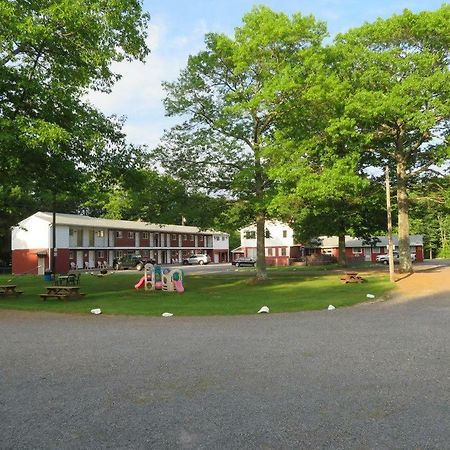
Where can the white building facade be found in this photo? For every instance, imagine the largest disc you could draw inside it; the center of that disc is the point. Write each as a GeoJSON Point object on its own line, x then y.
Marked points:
{"type": "Point", "coordinates": [282, 249]}
{"type": "Point", "coordinates": [84, 241]}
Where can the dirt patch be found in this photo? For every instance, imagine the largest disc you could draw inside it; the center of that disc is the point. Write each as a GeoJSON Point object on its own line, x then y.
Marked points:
{"type": "Point", "coordinates": [425, 281]}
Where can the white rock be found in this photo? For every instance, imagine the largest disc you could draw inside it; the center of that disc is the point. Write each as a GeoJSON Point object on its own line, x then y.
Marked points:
{"type": "Point", "coordinates": [264, 309]}
{"type": "Point", "coordinates": [96, 311]}
{"type": "Point", "coordinates": [167, 314]}
{"type": "Point", "coordinates": [331, 307]}
{"type": "Point", "coordinates": [370, 296]}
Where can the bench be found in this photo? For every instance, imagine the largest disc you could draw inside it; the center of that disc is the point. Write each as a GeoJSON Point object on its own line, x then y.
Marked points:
{"type": "Point", "coordinates": [45, 296]}
{"type": "Point", "coordinates": [9, 290]}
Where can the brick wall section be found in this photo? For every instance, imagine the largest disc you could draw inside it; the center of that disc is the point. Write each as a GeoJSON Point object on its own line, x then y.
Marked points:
{"type": "Point", "coordinates": [124, 241]}
{"type": "Point", "coordinates": [26, 261]}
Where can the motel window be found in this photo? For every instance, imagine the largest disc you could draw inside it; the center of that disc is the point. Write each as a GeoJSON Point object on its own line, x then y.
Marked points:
{"type": "Point", "coordinates": [118, 234]}
{"type": "Point", "coordinates": [285, 233]}
{"type": "Point", "coordinates": [101, 254]}
{"type": "Point", "coordinates": [267, 234]}
{"type": "Point", "coordinates": [70, 231]}
{"type": "Point", "coordinates": [191, 237]}
{"type": "Point", "coordinates": [217, 238]}
{"type": "Point", "coordinates": [250, 234]}
{"type": "Point", "coordinates": [270, 252]}
{"type": "Point", "coordinates": [71, 255]}
{"type": "Point", "coordinates": [376, 249]}
{"type": "Point", "coordinates": [327, 251]}
{"type": "Point", "coordinates": [283, 251]}
{"type": "Point", "coordinates": [223, 238]}
{"type": "Point", "coordinates": [184, 237]}
{"type": "Point", "coordinates": [173, 237]}
{"type": "Point", "coordinates": [100, 233]}
{"type": "Point", "coordinates": [131, 235]}
{"type": "Point", "coordinates": [357, 250]}
{"type": "Point", "coordinates": [145, 235]}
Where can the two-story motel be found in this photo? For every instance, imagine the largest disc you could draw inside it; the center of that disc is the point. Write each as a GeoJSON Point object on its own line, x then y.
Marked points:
{"type": "Point", "coordinates": [84, 241]}
{"type": "Point", "coordinates": [281, 248]}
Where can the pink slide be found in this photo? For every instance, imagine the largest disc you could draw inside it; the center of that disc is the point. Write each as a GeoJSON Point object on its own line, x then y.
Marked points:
{"type": "Point", "coordinates": [140, 283]}
{"type": "Point", "coordinates": [178, 286]}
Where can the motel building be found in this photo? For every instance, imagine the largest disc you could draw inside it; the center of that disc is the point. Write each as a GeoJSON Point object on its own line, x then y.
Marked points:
{"type": "Point", "coordinates": [89, 242]}
{"type": "Point", "coordinates": [281, 248]}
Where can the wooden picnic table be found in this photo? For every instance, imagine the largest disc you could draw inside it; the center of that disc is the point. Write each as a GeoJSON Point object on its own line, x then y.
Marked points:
{"type": "Point", "coordinates": [9, 289]}
{"type": "Point", "coordinates": [351, 277]}
{"type": "Point", "coordinates": [63, 292]}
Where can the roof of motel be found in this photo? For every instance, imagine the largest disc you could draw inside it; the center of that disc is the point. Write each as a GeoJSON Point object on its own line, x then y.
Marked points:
{"type": "Point", "coordinates": [333, 241]}
{"type": "Point", "coordinates": [94, 222]}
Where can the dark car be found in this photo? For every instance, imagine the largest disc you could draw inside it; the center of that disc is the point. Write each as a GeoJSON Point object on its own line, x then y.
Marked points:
{"type": "Point", "coordinates": [240, 262]}
{"type": "Point", "coordinates": [131, 262]}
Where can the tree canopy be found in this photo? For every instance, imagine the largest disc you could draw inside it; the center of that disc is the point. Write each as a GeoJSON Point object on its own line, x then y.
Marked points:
{"type": "Point", "coordinates": [51, 54]}
{"type": "Point", "coordinates": [232, 95]}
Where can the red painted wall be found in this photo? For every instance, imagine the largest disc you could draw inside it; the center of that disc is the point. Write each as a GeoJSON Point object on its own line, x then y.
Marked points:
{"type": "Point", "coordinates": [26, 261]}
{"type": "Point", "coordinates": [124, 241]}
{"type": "Point", "coordinates": [62, 260]}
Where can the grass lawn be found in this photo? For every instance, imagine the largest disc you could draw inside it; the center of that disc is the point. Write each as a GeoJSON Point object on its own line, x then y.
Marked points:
{"type": "Point", "coordinates": [228, 294]}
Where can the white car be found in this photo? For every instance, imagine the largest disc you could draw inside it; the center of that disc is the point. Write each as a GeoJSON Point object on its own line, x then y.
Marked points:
{"type": "Point", "coordinates": [197, 259]}
{"type": "Point", "coordinates": [384, 259]}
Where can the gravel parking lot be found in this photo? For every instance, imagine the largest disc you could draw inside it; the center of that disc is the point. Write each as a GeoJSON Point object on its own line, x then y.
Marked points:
{"type": "Point", "coordinates": [371, 376]}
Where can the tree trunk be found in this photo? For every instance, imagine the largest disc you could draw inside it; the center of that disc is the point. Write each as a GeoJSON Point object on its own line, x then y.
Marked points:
{"type": "Point", "coordinates": [342, 260]}
{"type": "Point", "coordinates": [405, 265]}
{"type": "Point", "coordinates": [261, 272]}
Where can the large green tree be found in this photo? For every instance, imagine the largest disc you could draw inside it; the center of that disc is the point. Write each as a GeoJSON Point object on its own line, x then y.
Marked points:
{"type": "Point", "coordinates": [232, 96]}
{"type": "Point", "coordinates": [152, 197]}
{"type": "Point", "coordinates": [399, 78]}
{"type": "Point", "coordinates": [51, 54]}
{"type": "Point", "coordinates": [430, 213]}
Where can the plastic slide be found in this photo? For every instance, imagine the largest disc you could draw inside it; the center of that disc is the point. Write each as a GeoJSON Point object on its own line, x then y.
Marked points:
{"type": "Point", "coordinates": [178, 286]}
{"type": "Point", "coordinates": [140, 283]}
{"type": "Point", "coordinates": [178, 283]}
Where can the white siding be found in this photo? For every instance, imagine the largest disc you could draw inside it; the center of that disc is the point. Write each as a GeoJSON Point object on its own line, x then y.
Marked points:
{"type": "Point", "coordinates": [32, 232]}
{"type": "Point", "coordinates": [220, 242]}
{"type": "Point", "coordinates": [62, 236]}
{"type": "Point", "coordinates": [276, 238]}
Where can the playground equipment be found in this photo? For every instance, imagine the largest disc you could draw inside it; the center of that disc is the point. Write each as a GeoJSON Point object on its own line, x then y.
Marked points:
{"type": "Point", "coordinates": [156, 278]}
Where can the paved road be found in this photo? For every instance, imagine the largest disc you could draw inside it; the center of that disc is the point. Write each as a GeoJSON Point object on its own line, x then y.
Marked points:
{"type": "Point", "coordinates": [373, 376]}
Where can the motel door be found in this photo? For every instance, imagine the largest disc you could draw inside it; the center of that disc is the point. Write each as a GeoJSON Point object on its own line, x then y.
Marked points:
{"type": "Point", "coordinates": [367, 254]}
{"type": "Point", "coordinates": [41, 265]}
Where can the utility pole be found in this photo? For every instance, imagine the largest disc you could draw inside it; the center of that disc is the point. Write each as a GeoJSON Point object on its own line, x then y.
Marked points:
{"type": "Point", "coordinates": [389, 226]}
{"type": "Point", "coordinates": [53, 249]}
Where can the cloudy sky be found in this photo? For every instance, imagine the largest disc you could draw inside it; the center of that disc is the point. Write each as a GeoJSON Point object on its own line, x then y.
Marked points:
{"type": "Point", "coordinates": [177, 29]}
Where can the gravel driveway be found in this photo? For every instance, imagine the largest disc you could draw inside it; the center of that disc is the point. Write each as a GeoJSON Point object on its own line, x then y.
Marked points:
{"type": "Point", "coordinates": [371, 376]}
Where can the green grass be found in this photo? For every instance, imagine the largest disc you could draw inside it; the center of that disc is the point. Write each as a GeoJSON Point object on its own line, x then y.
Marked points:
{"type": "Point", "coordinates": [229, 294]}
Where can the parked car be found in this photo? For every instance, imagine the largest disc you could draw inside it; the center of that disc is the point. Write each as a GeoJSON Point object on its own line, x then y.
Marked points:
{"type": "Point", "coordinates": [240, 262]}
{"type": "Point", "coordinates": [384, 259]}
{"type": "Point", "coordinates": [131, 262]}
{"type": "Point", "coordinates": [197, 259]}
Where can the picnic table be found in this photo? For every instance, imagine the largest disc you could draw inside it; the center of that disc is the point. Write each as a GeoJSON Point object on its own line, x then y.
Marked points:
{"type": "Point", "coordinates": [351, 277]}
{"type": "Point", "coordinates": [63, 292]}
{"type": "Point", "coordinates": [9, 289]}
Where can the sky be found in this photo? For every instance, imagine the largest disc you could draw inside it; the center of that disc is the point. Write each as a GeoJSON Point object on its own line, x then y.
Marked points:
{"type": "Point", "coordinates": [177, 29]}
